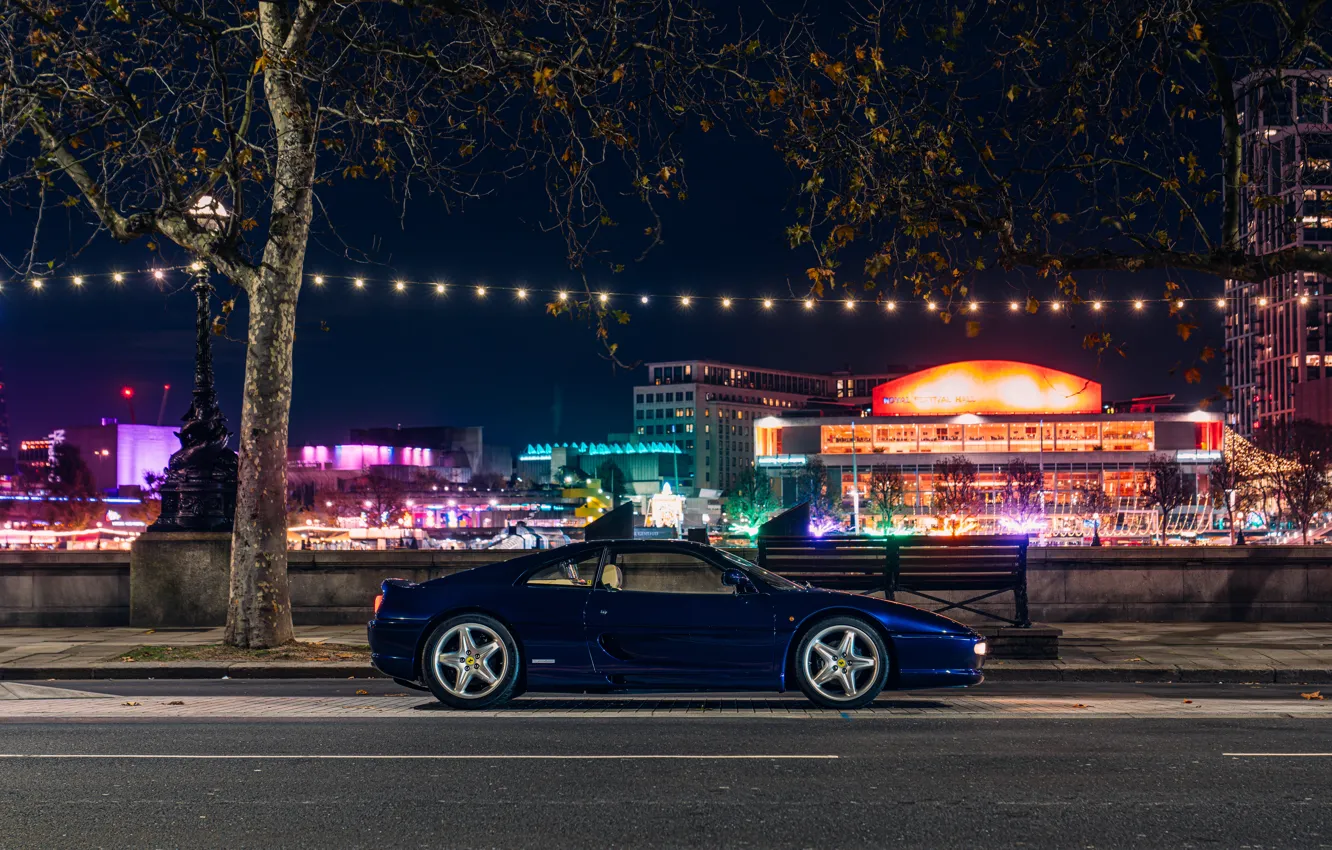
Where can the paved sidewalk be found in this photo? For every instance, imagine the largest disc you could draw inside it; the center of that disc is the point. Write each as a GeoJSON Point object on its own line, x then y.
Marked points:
{"type": "Point", "coordinates": [1090, 652]}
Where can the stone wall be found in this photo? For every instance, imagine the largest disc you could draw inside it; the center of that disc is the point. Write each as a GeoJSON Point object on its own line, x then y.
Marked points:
{"type": "Point", "coordinates": [1258, 583]}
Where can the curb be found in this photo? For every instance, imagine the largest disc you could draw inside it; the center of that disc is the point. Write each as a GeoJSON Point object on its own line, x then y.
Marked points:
{"type": "Point", "coordinates": [1158, 674]}
{"type": "Point", "coordinates": [1042, 672]}
{"type": "Point", "coordinates": [192, 670]}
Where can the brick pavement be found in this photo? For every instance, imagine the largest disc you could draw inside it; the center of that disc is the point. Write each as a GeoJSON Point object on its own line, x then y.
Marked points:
{"type": "Point", "coordinates": [1109, 652]}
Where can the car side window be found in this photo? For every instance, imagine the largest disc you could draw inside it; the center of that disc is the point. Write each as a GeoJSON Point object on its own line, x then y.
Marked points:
{"type": "Point", "coordinates": [568, 572]}
{"type": "Point", "coordinates": [662, 572]}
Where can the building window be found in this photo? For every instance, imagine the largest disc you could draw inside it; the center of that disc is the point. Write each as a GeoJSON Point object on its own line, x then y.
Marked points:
{"type": "Point", "coordinates": [639, 398]}
{"type": "Point", "coordinates": [638, 414]}
{"type": "Point", "coordinates": [659, 429]}
{"type": "Point", "coordinates": [659, 397]}
{"type": "Point", "coordinates": [679, 396]}
{"type": "Point", "coordinates": [689, 427]}
{"type": "Point", "coordinates": [689, 396]}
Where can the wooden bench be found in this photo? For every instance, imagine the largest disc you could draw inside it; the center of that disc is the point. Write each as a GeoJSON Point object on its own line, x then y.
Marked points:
{"type": "Point", "coordinates": [987, 566]}
{"type": "Point", "coordinates": [920, 566]}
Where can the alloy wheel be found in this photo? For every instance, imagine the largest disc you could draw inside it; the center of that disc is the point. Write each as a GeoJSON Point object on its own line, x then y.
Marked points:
{"type": "Point", "coordinates": [470, 660]}
{"type": "Point", "coordinates": [841, 662]}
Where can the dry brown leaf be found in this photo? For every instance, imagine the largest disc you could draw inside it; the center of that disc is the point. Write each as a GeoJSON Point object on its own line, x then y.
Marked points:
{"type": "Point", "coordinates": [1314, 695]}
{"type": "Point", "coordinates": [176, 702]}
{"type": "Point", "coordinates": [1080, 705]}
{"type": "Point", "coordinates": [126, 658]}
{"type": "Point", "coordinates": [362, 693]}
{"type": "Point", "coordinates": [1188, 702]}
{"type": "Point", "coordinates": [131, 702]}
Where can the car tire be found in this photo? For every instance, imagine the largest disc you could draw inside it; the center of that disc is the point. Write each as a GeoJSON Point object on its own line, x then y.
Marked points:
{"type": "Point", "coordinates": [471, 662]}
{"type": "Point", "coordinates": [824, 668]}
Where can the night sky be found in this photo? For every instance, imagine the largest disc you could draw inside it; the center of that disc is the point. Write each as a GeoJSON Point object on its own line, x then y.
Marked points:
{"type": "Point", "coordinates": [417, 360]}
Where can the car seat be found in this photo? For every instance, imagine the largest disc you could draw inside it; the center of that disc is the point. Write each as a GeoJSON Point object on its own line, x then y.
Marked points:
{"type": "Point", "coordinates": [611, 578]}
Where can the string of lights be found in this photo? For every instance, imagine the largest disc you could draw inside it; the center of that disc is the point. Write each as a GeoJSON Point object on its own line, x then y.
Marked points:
{"type": "Point", "coordinates": [609, 299]}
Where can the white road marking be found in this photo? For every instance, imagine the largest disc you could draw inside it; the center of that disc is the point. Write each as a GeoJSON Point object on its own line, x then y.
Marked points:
{"type": "Point", "coordinates": [413, 757]}
{"type": "Point", "coordinates": [1279, 754]}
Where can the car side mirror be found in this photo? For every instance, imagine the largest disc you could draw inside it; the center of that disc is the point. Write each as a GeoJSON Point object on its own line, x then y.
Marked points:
{"type": "Point", "coordinates": [737, 579]}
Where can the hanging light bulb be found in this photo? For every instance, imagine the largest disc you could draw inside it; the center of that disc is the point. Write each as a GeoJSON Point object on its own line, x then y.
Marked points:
{"type": "Point", "coordinates": [809, 304]}
{"type": "Point", "coordinates": [1137, 305]}
{"type": "Point", "coordinates": [685, 300]}
{"type": "Point", "coordinates": [891, 306]}
{"type": "Point", "coordinates": [399, 285]}
{"type": "Point", "coordinates": [563, 296]}
{"type": "Point", "coordinates": [1262, 302]}
{"type": "Point", "coordinates": [37, 283]}
{"type": "Point", "coordinates": [1179, 305]}
{"type": "Point", "coordinates": [973, 306]}
{"type": "Point", "coordinates": [1054, 305]}
{"type": "Point", "coordinates": [118, 277]}
{"type": "Point", "coordinates": [643, 300]}
{"type": "Point", "coordinates": [726, 303]}
{"type": "Point", "coordinates": [480, 292]}
{"type": "Point", "coordinates": [522, 294]}
{"type": "Point", "coordinates": [1221, 302]}
{"type": "Point", "coordinates": [360, 284]}
{"type": "Point", "coordinates": [603, 298]}
{"type": "Point", "coordinates": [931, 306]}
{"type": "Point", "coordinates": [767, 303]}
{"type": "Point", "coordinates": [1096, 305]}
{"type": "Point", "coordinates": [319, 280]}
{"type": "Point", "coordinates": [78, 280]}
{"type": "Point", "coordinates": [158, 274]}
{"type": "Point", "coordinates": [1013, 306]}
{"type": "Point", "coordinates": [850, 304]}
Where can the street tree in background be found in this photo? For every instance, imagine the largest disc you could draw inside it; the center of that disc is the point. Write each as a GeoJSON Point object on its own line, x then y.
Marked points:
{"type": "Point", "coordinates": [203, 130]}
{"type": "Point", "coordinates": [812, 485]}
{"type": "Point", "coordinates": [751, 499]}
{"type": "Point", "coordinates": [936, 141]}
{"type": "Point", "coordinates": [1092, 503]}
{"type": "Point", "coordinates": [1167, 489]}
{"type": "Point", "coordinates": [1304, 450]}
{"type": "Point", "coordinates": [956, 496]}
{"type": "Point", "coordinates": [383, 499]}
{"type": "Point", "coordinates": [1231, 488]}
{"type": "Point", "coordinates": [886, 497]}
{"type": "Point", "coordinates": [1023, 497]}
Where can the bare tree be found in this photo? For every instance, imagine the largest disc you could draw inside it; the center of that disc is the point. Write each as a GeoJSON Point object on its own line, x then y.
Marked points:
{"type": "Point", "coordinates": [886, 496]}
{"type": "Point", "coordinates": [934, 142]}
{"type": "Point", "coordinates": [203, 129]}
{"type": "Point", "coordinates": [1023, 497]}
{"type": "Point", "coordinates": [1167, 489]}
{"type": "Point", "coordinates": [1304, 448]}
{"type": "Point", "coordinates": [1231, 487]}
{"type": "Point", "coordinates": [955, 491]}
{"type": "Point", "coordinates": [1093, 502]}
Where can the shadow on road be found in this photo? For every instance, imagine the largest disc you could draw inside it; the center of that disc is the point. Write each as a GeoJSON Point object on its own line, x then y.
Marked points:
{"type": "Point", "coordinates": [730, 705]}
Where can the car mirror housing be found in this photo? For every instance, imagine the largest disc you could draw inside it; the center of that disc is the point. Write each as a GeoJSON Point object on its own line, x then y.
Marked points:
{"type": "Point", "coordinates": [737, 579]}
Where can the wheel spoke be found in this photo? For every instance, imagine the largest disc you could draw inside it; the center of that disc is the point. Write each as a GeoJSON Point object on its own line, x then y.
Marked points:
{"type": "Point", "coordinates": [824, 652]}
{"type": "Point", "coordinates": [859, 662]}
{"type": "Point", "coordinates": [848, 644]}
{"type": "Point", "coordinates": [826, 674]}
{"type": "Point", "coordinates": [486, 650]}
{"type": "Point", "coordinates": [464, 676]}
{"type": "Point", "coordinates": [482, 672]}
{"type": "Point", "coordinates": [847, 680]}
{"type": "Point", "coordinates": [465, 643]}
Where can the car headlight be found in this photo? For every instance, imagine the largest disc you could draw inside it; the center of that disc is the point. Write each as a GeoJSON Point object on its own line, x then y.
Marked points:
{"type": "Point", "coordinates": [981, 647]}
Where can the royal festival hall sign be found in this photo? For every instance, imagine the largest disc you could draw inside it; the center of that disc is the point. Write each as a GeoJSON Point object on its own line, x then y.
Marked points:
{"type": "Point", "coordinates": [987, 387]}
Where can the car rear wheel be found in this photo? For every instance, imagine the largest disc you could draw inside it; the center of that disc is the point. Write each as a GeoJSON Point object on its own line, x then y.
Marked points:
{"type": "Point", "coordinates": [471, 661]}
{"type": "Point", "coordinates": [842, 662]}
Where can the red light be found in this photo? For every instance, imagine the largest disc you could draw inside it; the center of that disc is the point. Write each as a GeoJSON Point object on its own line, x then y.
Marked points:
{"type": "Point", "coordinates": [127, 392]}
{"type": "Point", "coordinates": [379, 600]}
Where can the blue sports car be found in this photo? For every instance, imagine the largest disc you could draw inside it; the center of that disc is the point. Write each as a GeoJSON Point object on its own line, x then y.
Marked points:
{"type": "Point", "coordinates": [639, 615]}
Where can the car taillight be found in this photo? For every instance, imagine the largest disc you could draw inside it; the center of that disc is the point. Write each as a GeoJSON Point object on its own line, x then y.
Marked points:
{"type": "Point", "coordinates": [379, 600]}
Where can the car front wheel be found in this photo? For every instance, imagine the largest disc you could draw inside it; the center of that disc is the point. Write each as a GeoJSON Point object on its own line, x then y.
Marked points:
{"type": "Point", "coordinates": [842, 662]}
{"type": "Point", "coordinates": [471, 661]}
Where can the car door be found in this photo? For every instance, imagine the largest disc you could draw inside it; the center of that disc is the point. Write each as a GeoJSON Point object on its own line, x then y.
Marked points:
{"type": "Point", "coordinates": [554, 602]}
{"type": "Point", "coordinates": [661, 616]}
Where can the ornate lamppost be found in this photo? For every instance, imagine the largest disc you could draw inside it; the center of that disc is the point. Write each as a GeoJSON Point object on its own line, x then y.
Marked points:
{"type": "Point", "coordinates": [199, 493]}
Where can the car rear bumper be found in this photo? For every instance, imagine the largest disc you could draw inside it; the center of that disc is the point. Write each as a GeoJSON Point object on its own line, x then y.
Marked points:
{"type": "Point", "coordinates": [393, 647]}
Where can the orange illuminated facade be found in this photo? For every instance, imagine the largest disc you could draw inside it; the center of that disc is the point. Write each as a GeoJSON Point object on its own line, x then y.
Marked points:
{"type": "Point", "coordinates": [987, 387]}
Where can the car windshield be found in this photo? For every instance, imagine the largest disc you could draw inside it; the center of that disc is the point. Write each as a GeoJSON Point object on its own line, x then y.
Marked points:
{"type": "Point", "coordinates": [769, 578]}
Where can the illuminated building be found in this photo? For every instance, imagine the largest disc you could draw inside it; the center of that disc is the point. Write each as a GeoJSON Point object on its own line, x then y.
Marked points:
{"type": "Point", "coordinates": [708, 409]}
{"type": "Point", "coordinates": [1278, 351]}
{"type": "Point", "coordinates": [643, 466]}
{"type": "Point", "coordinates": [119, 455]}
{"type": "Point", "coordinates": [451, 453]}
{"type": "Point", "coordinates": [991, 412]}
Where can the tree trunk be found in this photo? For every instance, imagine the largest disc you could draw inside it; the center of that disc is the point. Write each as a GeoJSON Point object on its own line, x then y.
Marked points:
{"type": "Point", "coordinates": [259, 607]}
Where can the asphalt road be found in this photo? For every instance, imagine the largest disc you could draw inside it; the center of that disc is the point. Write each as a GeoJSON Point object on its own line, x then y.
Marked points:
{"type": "Point", "coordinates": [927, 783]}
